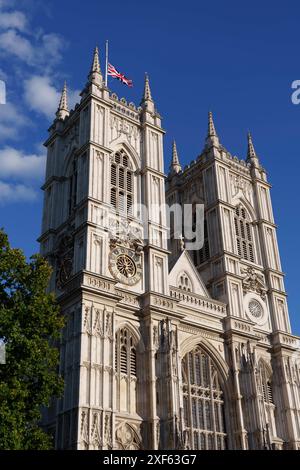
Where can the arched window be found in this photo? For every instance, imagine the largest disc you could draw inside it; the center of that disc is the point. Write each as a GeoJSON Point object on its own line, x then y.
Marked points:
{"type": "Point", "coordinates": [73, 187]}
{"type": "Point", "coordinates": [203, 401]}
{"type": "Point", "coordinates": [202, 255]}
{"type": "Point", "coordinates": [184, 282]}
{"type": "Point", "coordinates": [244, 234]}
{"type": "Point", "coordinates": [125, 353]}
{"type": "Point", "coordinates": [126, 371]}
{"type": "Point", "coordinates": [265, 384]}
{"type": "Point", "coordinates": [121, 180]}
{"type": "Point", "coordinates": [265, 387]}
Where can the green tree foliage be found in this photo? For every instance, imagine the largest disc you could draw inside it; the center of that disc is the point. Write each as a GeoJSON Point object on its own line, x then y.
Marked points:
{"type": "Point", "coordinates": [30, 324]}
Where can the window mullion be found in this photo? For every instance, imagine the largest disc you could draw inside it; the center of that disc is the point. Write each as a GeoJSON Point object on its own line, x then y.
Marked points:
{"type": "Point", "coordinates": [189, 398]}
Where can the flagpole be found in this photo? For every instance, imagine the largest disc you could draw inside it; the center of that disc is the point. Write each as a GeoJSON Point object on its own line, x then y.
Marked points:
{"type": "Point", "coordinates": [106, 61]}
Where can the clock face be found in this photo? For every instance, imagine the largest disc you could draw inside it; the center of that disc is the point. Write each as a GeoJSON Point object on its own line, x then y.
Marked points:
{"type": "Point", "coordinates": [125, 265]}
{"type": "Point", "coordinates": [64, 272]}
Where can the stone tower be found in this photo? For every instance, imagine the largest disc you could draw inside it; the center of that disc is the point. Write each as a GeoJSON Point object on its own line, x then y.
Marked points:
{"type": "Point", "coordinates": [162, 348]}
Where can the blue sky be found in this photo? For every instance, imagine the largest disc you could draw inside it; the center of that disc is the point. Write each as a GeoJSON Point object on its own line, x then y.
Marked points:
{"type": "Point", "coordinates": [236, 59]}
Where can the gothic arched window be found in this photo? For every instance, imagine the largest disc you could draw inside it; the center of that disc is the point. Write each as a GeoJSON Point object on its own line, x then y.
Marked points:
{"type": "Point", "coordinates": [126, 371]}
{"type": "Point", "coordinates": [73, 187]}
{"type": "Point", "coordinates": [202, 255]}
{"type": "Point", "coordinates": [125, 357]}
{"type": "Point", "coordinates": [184, 282]}
{"type": "Point", "coordinates": [265, 384]}
{"type": "Point", "coordinates": [244, 234]}
{"type": "Point", "coordinates": [121, 181]}
{"type": "Point", "coordinates": [203, 402]}
{"type": "Point", "coordinates": [265, 387]}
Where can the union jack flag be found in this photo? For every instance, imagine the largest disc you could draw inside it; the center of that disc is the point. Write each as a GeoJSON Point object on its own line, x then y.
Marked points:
{"type": "Point", "coordinates": [112, 71]}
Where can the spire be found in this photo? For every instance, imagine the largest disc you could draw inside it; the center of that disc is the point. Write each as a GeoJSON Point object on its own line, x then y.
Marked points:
{"type": "Point", "coordinates": [251, 154]}
{"type": "Point", "coordinates": [62, 110]}
{"type": "Point", "coordinates": [147, 92]}
{"type": "Point", "coordinates": [251, 150]}
{"type": "Point", "coordinates": [147, 102]}
{"type": "Point", "coordinates": [212, 137]}
{"type": "Point", "coordinates": [95, 72]}
{"type": "Point", "coordinates": [175, 166]}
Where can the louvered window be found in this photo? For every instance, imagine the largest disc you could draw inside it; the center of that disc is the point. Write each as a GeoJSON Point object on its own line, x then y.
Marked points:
{"type": "Point", "coordinates": [266, 386]}
{"type": "Point", "coordinates": [243, 232]}
{"type": "Point", "coordinates": [203, 254]}
{"type": "Point", "coordinates": [121, 180]}
{"type": "Point", "coordinates": [125, 355]}
{"type": "Point", "coordinates": [72, 201]}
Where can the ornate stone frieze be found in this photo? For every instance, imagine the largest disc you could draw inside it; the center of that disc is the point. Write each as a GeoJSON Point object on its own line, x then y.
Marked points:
{"type": "Point", "coordinates": [64, 254]}
{"type": "Point", "coordinates": [127, 437]}
{"type": "Point", "coordinates": [239, 183]}
{"type": "Point", "coordinates": [253, 282]}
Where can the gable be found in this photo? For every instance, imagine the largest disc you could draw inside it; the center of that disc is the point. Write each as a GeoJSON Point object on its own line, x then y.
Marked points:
{"type": "Point", "coordinates": [184, 271]}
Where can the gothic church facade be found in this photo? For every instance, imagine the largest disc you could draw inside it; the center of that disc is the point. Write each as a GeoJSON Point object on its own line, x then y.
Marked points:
{"type": "Point", "coordinates": [163, 348]}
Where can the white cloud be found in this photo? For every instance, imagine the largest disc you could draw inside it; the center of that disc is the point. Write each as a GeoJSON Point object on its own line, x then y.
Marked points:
{"type": "Point", "coordinates": [52, 45]}
{"type": "Point", "coordinates": [12, 120]}
{"type": "Point", "coordinates": [16, 165]}
{"type": "Point", "coordinates": [13, 19]}
{"type": "Point", "coordinates": [12, 43]}
{"type": "Point", "coordinates": [42, 53]}
{"type": "Point", "coordinates": [16, 193]}
{"type": "Point", "coordinates": [42, 96]}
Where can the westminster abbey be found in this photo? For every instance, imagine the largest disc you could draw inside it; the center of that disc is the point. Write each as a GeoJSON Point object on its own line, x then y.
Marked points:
{"type": "Point", "coordinates": [164, 347]}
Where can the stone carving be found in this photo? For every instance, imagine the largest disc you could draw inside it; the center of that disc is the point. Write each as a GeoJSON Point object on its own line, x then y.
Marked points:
{"type": "Point", "coordinates": [155, 336]}
{"type": "Point", "coordinates": [64, 254]}
{"type": "Point", "coordinates": [84, 428]}
{"type": "Point", "coordinates": [238, 183]}
{"type": "Point", "coordinates": [108, 323]}
{"type": "Point", "coordinates": [161, 302]}
{"type": "Point", "coordinates": [157, 428]}
{"type": "Point", "coordinates": [248, 357]}
{"type": "Point", "coordinates": [179, 437]}
{"type": "Point", "coordinates": [127, 438]}
{"type": "Point", "coordinates": [186, 440]}
{"type": "Point", "coordinates": [87, 320]}
{"type": "Point", "coordinates": [72, 139]}
{"type": "Point", "coordinates": [108, 430]}
{"type": "Point", "coordinates": [253, 282]}
{"type": "Point", "coordinates": [96, 431]}
{"type": "Point", "coordinates": [124, 233]}
{"type": "Point", "coordinates": [125, 260]}
{"type": "Point", "coordinates": [100, 284]}
{"type": "Point", "coordinates": [181, 243]}
{"type": "Point", "coordinates": [164, 333]}
{"type": "Point", "coordinates": [97, 327]}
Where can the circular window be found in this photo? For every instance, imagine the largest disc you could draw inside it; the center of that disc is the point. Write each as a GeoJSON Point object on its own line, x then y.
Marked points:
{"type": "Point", "coordinates": [126, 266]}
{"type": "Point", "coordinates": [255, 308]}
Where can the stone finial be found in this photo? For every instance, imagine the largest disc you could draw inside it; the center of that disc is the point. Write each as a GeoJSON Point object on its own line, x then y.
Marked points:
{"type": "Point", "coordinates": [175, 166]}
{"type": "Point", "coordinates": [251, 150]}
{"type": "Point", "coordinates": [252, 157]}
{"type": "Point", "coordinates": [147, 92]}
{"type": "Point", "coordinates": [181, 243]}
{"type": "Point", "coordinates": [62, 110]}
{"type": "Point", "coordinates": [212, 137]}
{"type": "Point", "coordinates": [95, 72]}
